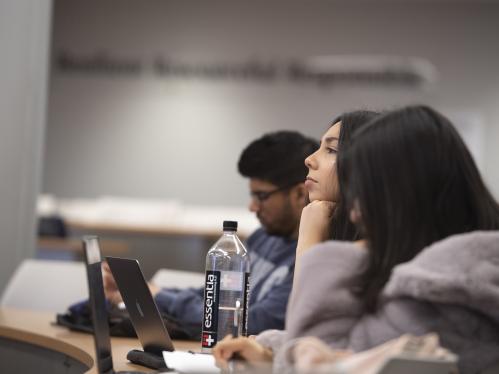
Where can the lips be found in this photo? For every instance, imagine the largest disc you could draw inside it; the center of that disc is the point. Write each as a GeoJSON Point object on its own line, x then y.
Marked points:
{"type": "Point", "coordinates": [310, 183]}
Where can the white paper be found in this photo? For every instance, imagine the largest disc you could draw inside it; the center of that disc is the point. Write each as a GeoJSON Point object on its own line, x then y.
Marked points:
{"type": "Point", "coordinates": [187, 362]}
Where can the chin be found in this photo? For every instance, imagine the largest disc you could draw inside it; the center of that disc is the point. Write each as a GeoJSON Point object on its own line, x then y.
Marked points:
{"type": "Point", "coordinates": [273, 231]}
{"type": "Point", "coordinates": [269, 230]}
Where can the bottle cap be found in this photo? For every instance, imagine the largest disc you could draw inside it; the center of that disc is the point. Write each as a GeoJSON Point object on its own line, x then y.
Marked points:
{"type": "Point", "coordinates": [230, 226]}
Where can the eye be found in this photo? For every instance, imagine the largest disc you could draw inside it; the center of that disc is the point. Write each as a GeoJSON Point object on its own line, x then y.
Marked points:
{"type": "Point", "coordinates": [331, 150]}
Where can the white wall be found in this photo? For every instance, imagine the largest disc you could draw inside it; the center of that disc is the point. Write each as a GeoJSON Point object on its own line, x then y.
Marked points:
{"type": "Point", "coordinates": [24, 46]}
{"type": "Point", "coordinates": [149, 136]}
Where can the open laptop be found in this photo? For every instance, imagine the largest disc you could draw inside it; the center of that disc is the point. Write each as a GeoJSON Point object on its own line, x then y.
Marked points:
{"type": "Point", "coordinates": [97, 302]}
{"type": "Point", "coordinates": [140, 305]}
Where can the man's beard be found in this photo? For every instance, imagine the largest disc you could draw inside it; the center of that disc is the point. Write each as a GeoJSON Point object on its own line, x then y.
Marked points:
{"type": "Point", "coordinates": [279, 231]}
{"type": "Point", "coordinates": [284, 225]}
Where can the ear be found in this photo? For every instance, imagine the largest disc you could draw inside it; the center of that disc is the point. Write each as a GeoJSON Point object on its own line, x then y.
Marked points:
{"type": "Point", "coordinates": [355, 214]}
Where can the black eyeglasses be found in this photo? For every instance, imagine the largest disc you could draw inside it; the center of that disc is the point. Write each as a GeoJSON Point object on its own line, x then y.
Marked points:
{"type": "Point", "coordinates": [261, 196]}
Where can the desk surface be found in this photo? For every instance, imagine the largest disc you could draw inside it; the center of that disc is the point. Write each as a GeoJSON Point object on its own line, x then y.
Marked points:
{"type": "Point", "coordinates": [36, 328]}
{"type": "Point", "coordinates": [159, 230]}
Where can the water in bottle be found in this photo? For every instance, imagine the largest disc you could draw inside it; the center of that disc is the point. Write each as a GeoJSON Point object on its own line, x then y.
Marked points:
{"type": "Point", "coordinates": [226, 284]}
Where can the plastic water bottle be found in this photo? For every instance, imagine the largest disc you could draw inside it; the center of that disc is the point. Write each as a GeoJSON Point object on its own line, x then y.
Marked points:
{"type": "Point", "coordinates": [226, 283]}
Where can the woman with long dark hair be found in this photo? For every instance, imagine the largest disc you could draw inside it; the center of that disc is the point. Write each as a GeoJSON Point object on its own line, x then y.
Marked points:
{"type": "Point", "coordinates": [326, 216]}
{"type": "Point", "coordinates": [322, 181]}
{"type": "Point", "coordinates": [430, 260]}
{"type": "Point", "coordinates": [412, 181]}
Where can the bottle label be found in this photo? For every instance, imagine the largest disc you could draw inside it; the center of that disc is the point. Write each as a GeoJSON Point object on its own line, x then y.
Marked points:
{"type": "Point", "coordinates": [210, 315]}
{"type": "Point", "coordinates": [246, 303]}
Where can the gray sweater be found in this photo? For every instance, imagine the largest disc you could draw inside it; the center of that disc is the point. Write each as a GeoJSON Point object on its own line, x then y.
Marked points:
{"type": "Point", "coordinates": [451, 288]}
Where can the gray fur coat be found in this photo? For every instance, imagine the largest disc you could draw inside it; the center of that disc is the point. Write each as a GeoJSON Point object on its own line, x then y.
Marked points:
{"type": "Point", "coordinates": [451, 288]}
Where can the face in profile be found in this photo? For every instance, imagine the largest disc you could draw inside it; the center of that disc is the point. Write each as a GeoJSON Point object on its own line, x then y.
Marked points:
{"type": "Point", "coordinates": [322, 182]}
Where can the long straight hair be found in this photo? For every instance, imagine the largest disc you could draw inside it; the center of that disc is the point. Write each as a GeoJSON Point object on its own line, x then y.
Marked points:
{"type": "Point", "coordinates": [415, 182]}
{"type": "Point", "coordinates": [341, 227]}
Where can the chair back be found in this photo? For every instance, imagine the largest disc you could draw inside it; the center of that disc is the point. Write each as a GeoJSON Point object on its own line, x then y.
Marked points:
{"type": "Point", "coordinates": [46, 285]}
{"type": "Point", "coordinates": [177, 278]}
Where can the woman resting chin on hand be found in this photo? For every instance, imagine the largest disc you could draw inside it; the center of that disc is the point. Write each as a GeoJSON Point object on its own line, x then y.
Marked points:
{"type": "Point", "coordinates": [327, 217]}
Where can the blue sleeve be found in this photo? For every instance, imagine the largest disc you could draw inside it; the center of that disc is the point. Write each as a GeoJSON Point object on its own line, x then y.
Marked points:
{"type": "Point", "coordinates": [270, 312]}
{"type": "Point", "coordinates": [185, 305]}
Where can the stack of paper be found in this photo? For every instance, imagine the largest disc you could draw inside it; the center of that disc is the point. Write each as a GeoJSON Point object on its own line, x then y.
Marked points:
{"type": "Point", "coordinates": [187, 362]}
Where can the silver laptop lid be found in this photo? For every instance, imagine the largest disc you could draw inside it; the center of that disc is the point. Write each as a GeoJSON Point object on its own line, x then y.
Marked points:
{"type": "Point", "coordinates": [140, 305]}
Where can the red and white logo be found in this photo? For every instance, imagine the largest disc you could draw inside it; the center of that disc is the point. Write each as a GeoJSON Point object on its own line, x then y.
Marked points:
{"type": "Point", "coordinates": [208, 340]}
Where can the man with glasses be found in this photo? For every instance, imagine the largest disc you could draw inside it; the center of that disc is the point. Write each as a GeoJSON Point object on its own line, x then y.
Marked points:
{"type": "Point", "coordinates": [276, 170]}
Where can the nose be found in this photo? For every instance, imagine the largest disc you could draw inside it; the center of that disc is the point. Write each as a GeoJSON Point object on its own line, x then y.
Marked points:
{"type": "Point", "coordinates": [310, 161]}
{"type": "Point", "coordinates": [254, 207]}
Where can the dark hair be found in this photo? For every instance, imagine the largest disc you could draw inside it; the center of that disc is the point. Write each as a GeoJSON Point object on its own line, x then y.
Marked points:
{"type": "Point", "coordinates": [415, 183]}
{"type": "Point", "coordinates": [277, 158]}
{"type": "Point", "coordinates": [341, 227]}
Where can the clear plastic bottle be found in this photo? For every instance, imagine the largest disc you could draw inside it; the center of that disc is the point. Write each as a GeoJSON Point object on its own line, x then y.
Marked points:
{"type": "Point", "coordinates": [227, 280]}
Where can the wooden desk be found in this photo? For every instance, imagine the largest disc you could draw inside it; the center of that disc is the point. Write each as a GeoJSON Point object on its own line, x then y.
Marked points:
{"type": "Point", "coordinates": [208, 234]}
{"type": "Point", "coordinates": [181, 248]}
{"type": "Point", "coordinates": [38, 346]}
{"type": "Point", "coordinates": [75, 247]}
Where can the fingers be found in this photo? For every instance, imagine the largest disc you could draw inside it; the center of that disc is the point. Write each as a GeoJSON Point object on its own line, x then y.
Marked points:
{"type": "Point", "coordinates": [327, 206]}
{"type": "Point", "coordinates": [153, 288]}
{"type": "Point", "coordinates": [228, 347]}
{"type": "Point", "coordinates": [310, 352]}
{"type": "Point", "coordinates": [115, 298]}
{"type": "Point", "coordinates": [107, 276]}
{"type": "Point", "coordinates": [110, 287]}
{"type": "Point", "coordinates": [105, 266]}
{"type": "Point", "coordinates": [307, 355]}
{"type": "Point", "coordinates": [222, 352]}
{"type": "Point", "coordinates": [248, 349]}
{"type": "Point", "coordinates": [320, 207]}
{"type": "Point", "coordinates": [106, 271]}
